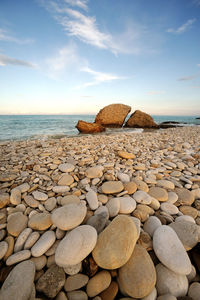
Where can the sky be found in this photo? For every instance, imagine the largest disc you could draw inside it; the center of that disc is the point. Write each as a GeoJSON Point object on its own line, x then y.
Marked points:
{"type": "Point", "coordinates": [77, 56]}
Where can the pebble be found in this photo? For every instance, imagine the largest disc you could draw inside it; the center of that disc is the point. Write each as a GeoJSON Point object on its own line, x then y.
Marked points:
{"type": "Point", "coordinates": [185, 218]}
{"type": "Point", "coordinates": [76, 245]}
{"type": "Point", "coordinates": [172, 197]}
{"type": "Point", "coordinates": [45, 242]}
{"type": "Point", "coordinates": [185, 197]}
{"type": "Point", "coordinates": [69, 216]}
{"type": "Point", "coordinates": [66, 179]}
{"type": "Point", "coordinates": [98, 283]}
{"type": "Point", "coordinates": [75, 282]}
{"type": "Point", "coordinates": [4, 199]}
{"type": "Point", "coordinates": [3, 249]}
{"type": "Point", "coordinates": [19, 244]}
{"type": "Point", "coordinates": [123, 177]}
{"type": "Point", "coordinates": [137, 277]}
{"type": "Point", "coordinates": [126, 155]}
{"type": "Point", "coordinates": [116, 243]}
{"type": "Point", "coordinates": [142, 197]}
{"type": "Point", "coordinates": [50, 204]}
{"type": "Point", "coordinates": [94, 172]}
{"type": "Point", "coordinates": [194, 291]}
{"type": "Point", "coordinates": [69, 199]}
{"type": "Point", "coordinates": [10, 241]}
{"type": "Point", "coordinates": [66, 167]}
{"type": "Point", "coordinates": [170, 282]}
{"type": "Point", "coordinates": [40, 262]}
{"type": "Point", "coordinates": [60, 189]}
{"type": "Point", "coordinates": [73, 269]}
{"type": "Point", "coordinates": [18, 257]}
{"type": "Point", "coordinates": [170, 251]}
{"type": "Point", "coordinates": [30, 201]}
{"type": "Point", "coordinates": [112, 187]}
{"type": "Point", "coordinates": [19, 283]}
{"type": "Point", "coordinates": [166, 184]}
{"type": "Point", "coordinates": [127, 205]}
{"type": "Point", "coordinates": [40, 196]}
{"type": "Point", "coordinates": [77, 295]}
{"type": "Point", "coordinates": [151, 224]}
{"type": "Point", "coordinates": [92, 200]}
{"type": "Point", "coordinates": [130, 187]}
{"type": "Point", "coordinates": [15, 197]}
{"type": "Point", "coordinates": [98, 221]}
{"type": "Point", "coordinates": [40, 221]}
{"type": "Point", "coordinates": [113, 206]}
{"type": "Point", "coordinates": [141, 185]}
{"type": "Point", "coordinates": [17, 223]}
{"type": "Point", "coordinates": [169, 208]}
{"type": "Point", "coordinates": [159, 193]}
{"type": "Point", "coordinates": [31, 240]}
{"type": "Point", "coordinates": [189, 210]}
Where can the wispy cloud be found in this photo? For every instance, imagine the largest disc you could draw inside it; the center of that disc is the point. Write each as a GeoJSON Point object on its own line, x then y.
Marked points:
{"type": "Point", "coordinates": [79, 3]}
{"type": "Point", "coordinates": [186, 26]}
{"type": "Point", "coordinates": [7, 37]}
{"type": "Point", "coordinates": [6, 60]}
{"type": "Point", "coordinates": [155, 92]}
{"type": "Point", "coordinates": [98, 77]}
{"type": "Point", "coordinates": [187, 78]}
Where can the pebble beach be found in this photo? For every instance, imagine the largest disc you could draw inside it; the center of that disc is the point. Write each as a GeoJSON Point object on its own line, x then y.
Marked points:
{"type": "Point", "coordinates": [102, 217]}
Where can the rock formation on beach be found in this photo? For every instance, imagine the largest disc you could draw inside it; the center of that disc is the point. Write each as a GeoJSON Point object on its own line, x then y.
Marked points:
{"type": "Point", "coordinates": [113, 115]}
{"type": "Point", "coordinates": [86, 127]}
{"type": "Point", "coordinates": [140, 119]}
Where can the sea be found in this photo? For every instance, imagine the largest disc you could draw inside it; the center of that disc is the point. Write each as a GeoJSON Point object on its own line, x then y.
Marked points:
{"type": "Point", "coordinates": [22, 127]}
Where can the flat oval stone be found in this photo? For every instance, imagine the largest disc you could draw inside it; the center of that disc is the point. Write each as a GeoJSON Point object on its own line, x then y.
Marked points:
{"type": "Point", "coordinates": [19, 283]}
{"type": "Point", "coordinates": [189, 210]}
{"type": "Point", "coordinates": [66, 179]}
{"type": "Point", "coordinates": [130, 187]}
{"type": "Point", "coordinates": [141, 185]}
{"type": "Point", "coordinates": [172, 197]}
{"type": "Point", "coordinates": [69, 199]}
{"type": "Point", "coordinates": [77, 295]}
{"type": "Point", "coordinates": [69, 216]}
{"type": "Point", "coordinates": [98, 283]}
{"type": "Point", "coordinates": [3, 249]}
{"type": "Point", "coordinates": [112, 187]}
{"type": "Point", "coordinates": [94, 172]}
{"type": "Point", "coordinates": [127, 205]}
{"type": "Point", "coordinates": [123, 177]}
{"type": "Point", "coordinates": [40, 262]}
{"type": "Point", "coordinates": [66, 167]}
{"type": "Point", "coordinates": [4, 199]}
{"type": "Point", "coordinates": [31, 240]}
{"type": "Point", "coordinates": [40, 196]}
{"type": "Point", "coordinates": [73, 269]}
{"type": "Point", "coordinates": [76, 245]}
{"type": "Point", "coordinates": [40, 221]}
{"type": "Point", "coordinates": [185, 197]}
{"type": "Point", "coordinates": [170, 250]}
{"type": "Point", "coordinates": [142, 197]}
{"type": "Point", "coordinates": [18, 257]}
{"type": "Point", "coordinates": [15, 197]}
{"type": "Point", "coordinates": [92, 200]}
{"type": "Point", "coordinates": [169, 282]}
{"type": "Point", "coordinates": [194, 291]}
{"type": "Point", "coordinates": [60, 189]}
{"type": "Point", "coordinates": [126, 155]}
{"type": "Point", "coordinates": [19, 244]}
{"type": "Point", "coordinates": [169, 208]}
{"type": "Point", "coordinates": [159, 193]}
{"type": "Point", "coordinates": [10, 241]}
{"type": "Point", "coordinates": [45, 242]}
{"type": "Point", "coordinates": [166, 184]}
{"type": "Point", "coordinates": [75, 282]}
{"type": "Point", "coordinates": [137, 277]}
{"type": "Point", "coordinates": [116, 243]}
{"type": "Point", "coordinates": [30, 201]}
{"type": "Point", "coordinates": [151, 224]}
{"type": "Point", "coordinates": [17, 223]}
{"type": "Point", "coordinates": [110, 292]}
{"type": "Point", "coordinates": [113, 206]}
{"type": "Point", "coordinates": [187, 232]}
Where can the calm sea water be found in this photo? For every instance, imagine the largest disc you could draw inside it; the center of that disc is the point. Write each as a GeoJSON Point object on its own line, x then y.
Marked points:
{"type": "Point", "coordinates": [20, 127]}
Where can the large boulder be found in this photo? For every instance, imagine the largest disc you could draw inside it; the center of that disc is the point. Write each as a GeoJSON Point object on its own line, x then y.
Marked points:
{"type": "Point", "coordinates": [140, 119]}
{"type": "Point", "coordinates": [86, 127]}
{"type": "Point", "coordinates": [113, 115]}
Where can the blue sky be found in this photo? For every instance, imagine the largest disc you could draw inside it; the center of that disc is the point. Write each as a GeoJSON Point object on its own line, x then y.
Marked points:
{"type": "Point", "coordinates": [76, 56]}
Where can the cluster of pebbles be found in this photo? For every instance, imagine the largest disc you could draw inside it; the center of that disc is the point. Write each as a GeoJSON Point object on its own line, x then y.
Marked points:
{"type": "Point", "coordinates": [101, 217]}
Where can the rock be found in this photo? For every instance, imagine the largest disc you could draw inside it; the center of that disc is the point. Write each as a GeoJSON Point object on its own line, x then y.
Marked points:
{"type": "Point", "coordinates": [3, 249]}
{"type": "Point", "coordinates": [187, 232]}
{"type": "Point", "coordinates": [92, 200]}
{"type": "Point", "coordinates": [40, 221]}
{"type": "Point", "coordinates": [45, 242]}
{"type": "Point", "coordinates": [113, 206]}
{"type": "Point", "coordinates": [98, 283]}
{"type": "Point", "coordinates": [123, 177]}
{"type": "Point", "coordinates": [110, 293]}
{"type": "Point", "coordinates": [74, 269]}
{"type": "Point", "coordinates": [141, 185]}
{"type": "Point", "coordinates": [15, 197]}
{"type": "Point", "coordinates": [31, 240]}
{"type": "Point", "coordinates": [10, 241]}
{"type": "Point", "coordinates": [151, 224]}
{"type": "Point", "coordinates": [4, 199]}
{"type": "Point", "coordinates": [166, 184]}
{"type": "Point", "coordinates": [98, 221]}
{"type": "Point", "coordinates": [69, 216]}
{"type": "Point", "coordinates": [142, 212]}
{"type": "Point", "coordinates": [61, 189]}
{"type": "Point", "coordinates": [40, 196]}
{"type": "Point", "coordinates": [189, 211]}
{"type": "Point", "coordinates": [18, 257]}
{"type": "Point", "coordinates": [130, 187]}
{"type": "Point", "coordinates": [142, 197]}
{"type": "Point", "coordinates": [112, 187]}
{"type": "Point", "coordinates": [18, 285]}
{"type": "Point", "coordinates": [127, 205]}
{"type": "Point", "coordinates": [170, 282]}
{"type": "Point", "coordinates": [151, 296]}
{"type": "Point", "coordinates": [168, 297]}
{"type": "Point", "coordinates": [7, 177]}
{"type": "Point", "coordinates": [86, 127]}
{"type": "Point", "coordinates": [50, 204]}
{"type": "Point", "coordinates": [17, 223]}
{"type": "Point", "coordinates": [170, 250]}
{"type": "Point", "coordinates": [140, 119]}
{"type": "Point", "coordinates": [169, 208]}
{"type": "Point", "coordinates": [116, 243]}
{"type": "Point", "coordinates": [194, 291]}
{"type": "Point", "coordinates": [30, 201]}
{"type": "Point", "coordinates": [137, 277]}
{"type": "Point", "coordinates": [19, 244]}
{"type": "Point", "coordinates": [75, 282]}
{"type": "Point", "coordinates": [76, 245]}
{"type": "Point", "coordinates": [159, 193]}
{"type": "Point", "coordinates": [113, 115]}
{"type": "Point", "coordinates": [40, 262]}
{"type": "Point", "coordinates": [77, 295]}
{"type": "Point", "coordinates": [172, 197]}
{"type": "Point", "coordinates": [185, 218]}
{"type": "Point", "coordinates": [66, 179]}
{"type": "Point", "coordinates": [126, 155]}
{"type": "Point", "coordinates": [185, 197]}
{"type": "Point", "coordinates": [24, 187]}
{"type": "Point", "coordinates": [94, 172]}
{"type": "Point", "coordinates": [61, 296]}
{"type": "Point", "coordinates": [66, 167]}
{"type": "Point", "coordinates": [69, 199]}
{"type": "Point", "coordinates": [51, 282]}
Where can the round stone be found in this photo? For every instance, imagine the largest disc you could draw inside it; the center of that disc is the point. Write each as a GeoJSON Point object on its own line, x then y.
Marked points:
{"type": "Point", "coordinates": [172, 197]}
{"type": "Point", "coordinates": [113, 206]}
{"type": "Point", "coordinates": [18, 257]}
{"type": "Point", "coordinates": [194, 291]}
{"type": "Point", "coordinates": [3, 249]}
{"type": "Point", "coordinates": [30, 201]}
{"type": "Point", "coordinates": [126, 155]}
{"type": "Point", "coordinates": [98, 221]}
{"type": "Point", "coordinates": [76, 245]}
{"type": "Point", "coordinates": [170, 250]}
{"type": "Point", "coordinates": [112, 187]}
{"type": "Point", "coordinates": [45, 242]}
{"type": "Point", "coordinates": [69, 199]}
{"type": "Point", "coordinates": [15, 197]}
{"type": "Point", "coordinates": [169, 208]}
{"type": "Point", "coordinates": [151, 224]}
{"type": "Point", "coordinates": [185, 197]}
{"type": "Point", "coordinates": [170, 282]}
{"type": "Point", "coordinates": [40, 221]}
{"type": "Point", "coordinates": [77, 295]}
{"type": "Point", "coordinates": [50, 204]}
{"type": "Point", "coordinates": [66, 180]}
{"type": "Point", "coordinates": [123, 177]}
{"type": "Point", "coordinates": [142, 197]}
{"type": "Point", "coordinates": [75, 282]}
{"type": "Point", "coordinates": [92, 200]}
{"type": "Point", "coordinates": [40, 196]}
{"type": "Point", "coordinates": [69, 216]}
{"type": "Point", "coordinates": [4, 199]}
{"type": "Point", "coordinates": [17, 223]}
{"type": "Point", "coordinates": [109, 293]}
{"type": "Point", "coordinates": [40, 262]}
{"type": "Point", "coordinates": [187, 232]}
{"type": "Point", "coordinates": [127, 205]}
{"type": "Point", "coordinates": [185, 218]}
{"type": "Point", "coordinates": [98, 283]}
{"type": "Point", "coordinates": [130, 187]}
{"type": "Point", "coordinates": [189, 210]}
{"type": "Point", "coordinates": [94, 172]}
{"type": "Point", "coordinates": [166, 184]}
{"type": "Point", "coordinates": [141, 185]}
{"type": "Point", "coordinates": [66, 167]}
{"type": "Point", "coordinates": [137, 277]}
{"type": "Point", "coordinates": [73, 269]}
{"type": "Point", "coordinates": [159, 193]}
{"type": "Point", "coordinates": [116, 243]}
{"type": "Point", "coordinates": [19, 283]}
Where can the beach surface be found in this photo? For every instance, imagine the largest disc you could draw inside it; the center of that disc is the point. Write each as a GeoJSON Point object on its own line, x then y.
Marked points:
{"type": "Point", "coordinates": [103, 216]}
